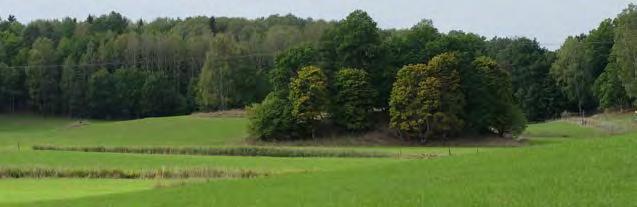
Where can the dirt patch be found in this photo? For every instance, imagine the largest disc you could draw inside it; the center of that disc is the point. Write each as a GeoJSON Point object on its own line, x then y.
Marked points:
{"type": "Point", "coordinates": [77, 124]}
{"type": "Point", "coordinates": [606, 125]}
{"type": "Point", "coordinates": [226, 113]}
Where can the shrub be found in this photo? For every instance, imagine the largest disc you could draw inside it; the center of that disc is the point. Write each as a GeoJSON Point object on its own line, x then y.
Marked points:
{"type": "Point", "coordinates": [271, 119]}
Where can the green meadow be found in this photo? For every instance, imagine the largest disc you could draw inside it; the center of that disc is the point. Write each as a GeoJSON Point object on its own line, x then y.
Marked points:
{"type": "Point", "coordinates": [561, 164]}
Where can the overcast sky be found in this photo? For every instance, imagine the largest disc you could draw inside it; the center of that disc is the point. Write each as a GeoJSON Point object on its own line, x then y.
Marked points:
{"type": "Point", "coordinates": [550, 21]}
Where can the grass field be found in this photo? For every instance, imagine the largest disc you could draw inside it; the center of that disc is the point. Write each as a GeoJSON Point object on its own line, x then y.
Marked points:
{"type": "Point", "coordinates": [171, 131]}
{"type": "Point", "coordinates": [564, 165]}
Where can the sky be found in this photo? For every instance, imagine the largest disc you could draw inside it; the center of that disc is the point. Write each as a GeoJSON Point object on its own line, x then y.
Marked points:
{"type": "Point", "coordinates": [549, 21]}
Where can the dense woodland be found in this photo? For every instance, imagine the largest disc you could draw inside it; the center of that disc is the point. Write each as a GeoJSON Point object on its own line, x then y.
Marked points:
{"type": "Point", "coordinates": [298, 75]}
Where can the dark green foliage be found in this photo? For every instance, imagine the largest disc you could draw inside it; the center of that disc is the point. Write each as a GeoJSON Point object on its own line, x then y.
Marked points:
{"type": "Point", "coordinates": [11, 87]}
{"type": "Point", "coordinates": [114, 22]}
{"type": "Point", "coordinates": [355, 42]}
{"type": "Point", "coordinates": [272, 118]}
{"type": "Point", "coordinates": [128, 86]}
{"type": "Point", "coordinates": [101, 87]}
{"type": "Point", "coordinates": [73, 50]}
{"type": "Point", "coordinates": [599, 44]}
{"type": "Point", "coordinates": [159, 97]}
{"type": "Point", "coordinates": [225, 151]}
{"type": "Point", "coordinates": [412, 46]}
{"type": "Point", "coordinates": [354, 99]}
{"type": "Point", "coordinates": [74, 84]}
{"type": "Point", "coordinates": [106, 67]}
{"type": "Point", "coordinates": [533, 88]}
{"type": "Point", "coordinates": [494, 108]}
{"type": "Point", "coordinates": [308, 96]}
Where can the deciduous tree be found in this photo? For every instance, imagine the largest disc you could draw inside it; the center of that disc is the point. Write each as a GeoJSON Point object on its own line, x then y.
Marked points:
{"type": "Point", "coordinates": [354, 99]}
{"type": "Point", "coordinates": [308, 96]}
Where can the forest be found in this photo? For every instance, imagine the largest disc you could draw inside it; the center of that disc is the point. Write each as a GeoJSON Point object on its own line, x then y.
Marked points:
{"type": "Point", "coordinates": [297, 76]}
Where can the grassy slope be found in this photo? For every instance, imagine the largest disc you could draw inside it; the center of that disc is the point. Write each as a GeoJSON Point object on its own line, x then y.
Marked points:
{"type": "Point", "coordinates": [172, 131]}
{"type": "Point", "coordinates": [168, 131]}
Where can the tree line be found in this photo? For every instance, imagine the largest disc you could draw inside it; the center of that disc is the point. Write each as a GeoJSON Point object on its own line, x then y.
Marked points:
{"type": "Point", "coordinates": [306, 74]}
{"type": "Point", "coordinates": [111, 67]}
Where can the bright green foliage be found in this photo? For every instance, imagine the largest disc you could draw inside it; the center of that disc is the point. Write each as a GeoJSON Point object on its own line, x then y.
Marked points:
{"type": "Point", "coordinates": [41, 78]}
{"type": "Point", "coordinates": [444, 67]}
{"type": "Point", "coordinates": [408, 110]}
{"type": "Point", "coordinates": [427, 100]}
{"type": "Point", "coordinates": [272, 118]}
{"type": "Point", "coordinates": [308, 96]}
{"type": "Point", "coordinates": [216, 84]}
{"type": "Point", "coordinates": [609, 90]}
{"type": "Point", "coordinates": [496, 109]}
{"type": "Point", "coordinates": [573, 73]}
{"type": "Point", "coordinates": [354, 99]}
{"type": "Point", "coordinates": [625, 49]}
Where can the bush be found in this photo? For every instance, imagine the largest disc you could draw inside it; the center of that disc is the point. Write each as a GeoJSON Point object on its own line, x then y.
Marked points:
{"type": "Point", "coordinates": [271, 119]}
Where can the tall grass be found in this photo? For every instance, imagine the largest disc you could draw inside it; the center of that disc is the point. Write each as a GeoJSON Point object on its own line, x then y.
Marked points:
{"type": "Point", "coordinates": [227, 151]}
{"type": "Point", "coordinates": [40, 172]}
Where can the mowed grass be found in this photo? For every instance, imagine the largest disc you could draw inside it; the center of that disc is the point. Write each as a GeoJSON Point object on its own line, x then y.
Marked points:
{"type": "Point", "coordinates": [28, 190]}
